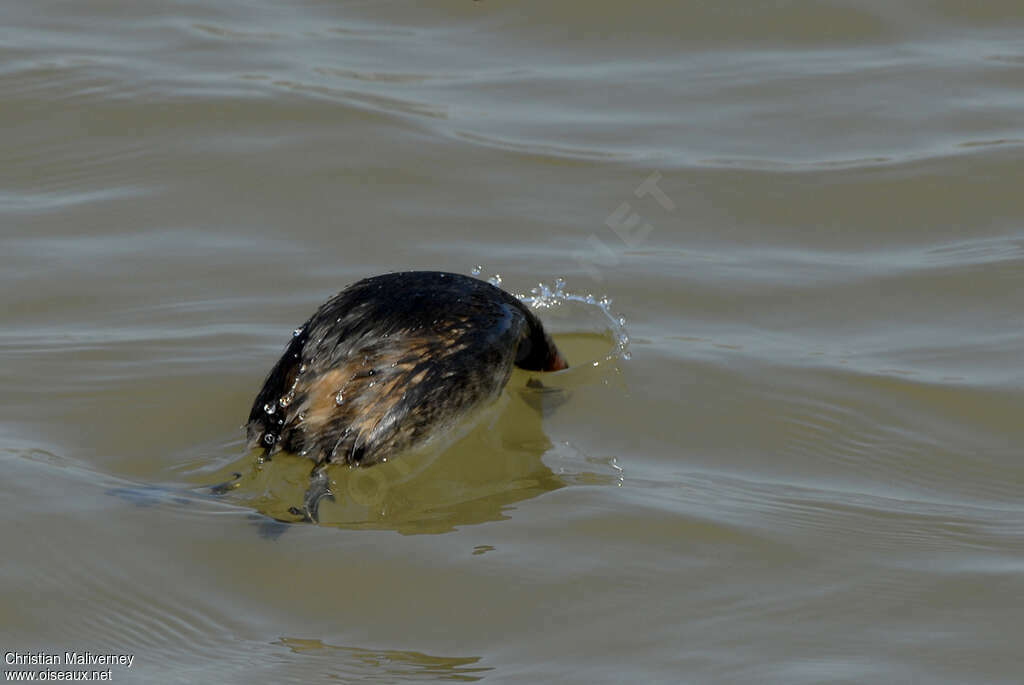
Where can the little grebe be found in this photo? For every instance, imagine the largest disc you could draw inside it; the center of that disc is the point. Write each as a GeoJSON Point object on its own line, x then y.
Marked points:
{"type": "Point", "coordinates": [387, 363]}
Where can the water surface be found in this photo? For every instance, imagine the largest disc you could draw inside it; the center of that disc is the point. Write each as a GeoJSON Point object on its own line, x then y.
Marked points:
{"type": "Point", "coordinates": [809, 214]}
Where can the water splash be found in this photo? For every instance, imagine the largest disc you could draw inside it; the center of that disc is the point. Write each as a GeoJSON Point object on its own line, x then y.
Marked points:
{"type": "Point", "coordinates": [544, 296]}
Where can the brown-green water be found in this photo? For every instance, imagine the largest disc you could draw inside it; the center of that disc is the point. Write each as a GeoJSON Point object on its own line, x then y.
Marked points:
{"type": "Point", "coordinates": [810, 213]}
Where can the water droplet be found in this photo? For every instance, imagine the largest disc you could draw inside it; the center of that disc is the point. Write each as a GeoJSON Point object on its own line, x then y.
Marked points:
{"type": "Point", "coordinates": [269, 408]}
{"type": "Point", "coordinates": [476, 270]}
{"type": "Point", "coordinates": [286, 400]}
{"type": "Point", "coordinates": [297, 332]}
{"type": "Point", "coordinates": [495, 280]}
{"type": "Point", "coordinates": [269, 439]}
{"type": "Point", "coordinates": [339, 399]}
{"type": "Point", "coordinates": [302, 368]}
{"type": "Point", "coordinates": [622, 321]}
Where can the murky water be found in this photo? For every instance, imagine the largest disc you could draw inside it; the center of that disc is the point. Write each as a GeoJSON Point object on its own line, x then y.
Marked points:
{"type": "Point", "coordinates": [809, 214]}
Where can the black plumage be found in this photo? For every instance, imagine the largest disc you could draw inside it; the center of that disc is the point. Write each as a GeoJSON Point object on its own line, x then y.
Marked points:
{"type": "Point", "coordinates": [392, 360]}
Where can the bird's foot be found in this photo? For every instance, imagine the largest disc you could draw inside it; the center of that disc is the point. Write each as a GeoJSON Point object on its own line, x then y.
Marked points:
{"type": "Point", "coordinates": [319, 490]}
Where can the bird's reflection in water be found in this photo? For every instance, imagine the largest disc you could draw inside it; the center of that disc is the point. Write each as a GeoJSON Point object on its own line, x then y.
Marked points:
{"type": "Point", "coordinates": [493, 462]}
{"type": "Point", "coordinates": [358, 663]}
